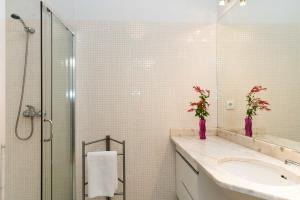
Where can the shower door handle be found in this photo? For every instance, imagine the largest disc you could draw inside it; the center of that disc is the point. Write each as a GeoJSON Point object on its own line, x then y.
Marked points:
{"type": "Point", "coordinates": [51, 130]}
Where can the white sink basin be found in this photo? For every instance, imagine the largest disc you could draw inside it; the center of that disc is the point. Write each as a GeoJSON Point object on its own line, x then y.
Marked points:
{"type": "Point", "coordinates": [259, 172]}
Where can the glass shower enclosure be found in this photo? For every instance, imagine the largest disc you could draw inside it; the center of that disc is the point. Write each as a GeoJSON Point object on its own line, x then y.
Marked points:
{"type": "Point", "coordinates": [57, 108]}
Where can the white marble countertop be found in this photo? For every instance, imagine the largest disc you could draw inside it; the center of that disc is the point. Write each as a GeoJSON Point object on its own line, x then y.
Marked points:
{"type": "Point", "coordinates": [207, 154]}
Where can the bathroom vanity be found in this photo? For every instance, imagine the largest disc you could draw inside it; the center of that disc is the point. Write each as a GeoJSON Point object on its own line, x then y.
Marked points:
{"type": "Point", "coordinates": [218, 169]}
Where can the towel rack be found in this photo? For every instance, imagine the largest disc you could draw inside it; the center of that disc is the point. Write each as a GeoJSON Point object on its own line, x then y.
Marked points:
{"type": "Point", "coordinates": [107, 141]}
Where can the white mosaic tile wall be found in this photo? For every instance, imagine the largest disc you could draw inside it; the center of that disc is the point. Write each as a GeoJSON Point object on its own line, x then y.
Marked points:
{"type": "Point", "coordinates": [267, 55]}
{"type": "Point", "coordinates": [2, 95]}
{"type": "Point", "coordinates": [134, 82]}
{"type": "Point", "coordinates": [23, 158]}
{"type": "Point", "coordinates": [22, 174]}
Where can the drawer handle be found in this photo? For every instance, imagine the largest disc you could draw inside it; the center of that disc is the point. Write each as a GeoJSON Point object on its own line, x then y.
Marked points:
{"type": "Point", "coordinates": [187, 162]}
{"type": "Point", "coordinates": [187, 190]}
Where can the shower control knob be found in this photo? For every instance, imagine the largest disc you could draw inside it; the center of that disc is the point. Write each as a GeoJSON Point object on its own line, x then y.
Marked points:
{"type": "Point", "coordinates": [30, 112]}
{"type": "Point", "coordinates": [40, 114]}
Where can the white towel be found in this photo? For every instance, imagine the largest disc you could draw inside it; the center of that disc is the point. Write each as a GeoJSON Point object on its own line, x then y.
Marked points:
{"type": "Point", "coordinates": [102, 173]}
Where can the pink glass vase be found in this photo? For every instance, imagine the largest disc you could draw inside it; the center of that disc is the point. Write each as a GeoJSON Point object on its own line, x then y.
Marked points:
{"type": "Point", "coordinates": [202, 129]}
{"type": "Point", "coordinates": [248, 126]}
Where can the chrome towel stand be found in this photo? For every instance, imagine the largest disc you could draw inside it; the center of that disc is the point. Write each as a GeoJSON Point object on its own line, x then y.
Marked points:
{"type": "Point", "coordinates": [107, 141]}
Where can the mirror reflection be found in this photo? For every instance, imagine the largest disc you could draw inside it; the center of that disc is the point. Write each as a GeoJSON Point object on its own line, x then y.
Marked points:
{"type": "Point", "coordinates": [259, 45]}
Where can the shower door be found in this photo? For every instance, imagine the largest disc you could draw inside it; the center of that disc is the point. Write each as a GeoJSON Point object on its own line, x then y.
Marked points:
{"type": "Point", "coordinates": [57, 104]}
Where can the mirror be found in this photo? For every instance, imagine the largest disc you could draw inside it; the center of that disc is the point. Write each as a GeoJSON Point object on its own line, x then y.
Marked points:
{"type": "Point", "coordinates": [259, 44]}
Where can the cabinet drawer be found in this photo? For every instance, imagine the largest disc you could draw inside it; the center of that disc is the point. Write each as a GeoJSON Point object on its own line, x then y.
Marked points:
{"type": "Point", "coordinates": [182, 192]}
{"type": "Point", "coordinates": [186, 179]}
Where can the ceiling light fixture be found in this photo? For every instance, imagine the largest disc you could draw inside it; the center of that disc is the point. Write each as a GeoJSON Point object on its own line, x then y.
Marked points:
{"type": "Point", "coordinates": [243, 2]}
{"type": "Point", "coordinates": [222, 3]}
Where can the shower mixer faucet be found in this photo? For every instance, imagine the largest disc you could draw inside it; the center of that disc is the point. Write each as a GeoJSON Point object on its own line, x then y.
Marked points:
{"type": "Point", "coordinates": [31, 112]}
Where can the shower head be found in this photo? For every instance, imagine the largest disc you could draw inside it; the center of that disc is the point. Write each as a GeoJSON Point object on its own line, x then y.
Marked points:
{"type": "Point", "coordinates": [17, 17]}
{"type": "Point", "coordinates": [14, 16]}
{"type": "Point", "coordinates": [26, 28]}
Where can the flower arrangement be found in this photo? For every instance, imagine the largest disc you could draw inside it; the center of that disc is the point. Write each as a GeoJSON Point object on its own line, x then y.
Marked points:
{"type": "Point", "coordinates": [254, 104]}
{"type": "Point", "coordinates": [201, 109]}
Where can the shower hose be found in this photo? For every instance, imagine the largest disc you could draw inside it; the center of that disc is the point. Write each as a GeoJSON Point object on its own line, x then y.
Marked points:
{"type": "Point", "coordinates": [22, 96]}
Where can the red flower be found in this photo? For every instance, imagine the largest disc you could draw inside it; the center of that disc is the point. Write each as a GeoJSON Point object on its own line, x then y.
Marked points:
{"type": "Point", "coordinates": [255, 103]}
{"type": "Point", "coordinates": [262, 102]}
{"type": "Point", "coordinates": [194, 104]}
{"type": "Point", "coordinates": [264, 107]}
{"type": "Point", "coordinates": [197, 89]}
{"type": "Point", "coordinates": [257, 88]}
{"type": "Point", "coordinates": [201, 106]}
{"type": "Point", "coordinates": [191, 110]}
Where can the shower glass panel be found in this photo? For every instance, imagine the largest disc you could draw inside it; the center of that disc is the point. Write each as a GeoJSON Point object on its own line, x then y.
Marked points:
{"type": "Point", "coordinates": [57, 100]}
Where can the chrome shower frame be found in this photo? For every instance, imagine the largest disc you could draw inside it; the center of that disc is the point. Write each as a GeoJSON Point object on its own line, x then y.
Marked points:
{"type": "Point", "coordinates": [72, 100]}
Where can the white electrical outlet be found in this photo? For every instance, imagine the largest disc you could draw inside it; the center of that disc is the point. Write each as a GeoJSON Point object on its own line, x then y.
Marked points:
{"type": "Point", "coordinates": [229, 105]}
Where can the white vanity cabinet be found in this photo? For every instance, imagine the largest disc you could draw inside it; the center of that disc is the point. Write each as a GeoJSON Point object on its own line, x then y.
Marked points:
{"type": "Point", "coordinates": [192, 184]}
{"type": "Point", "coordinates": [186, 179]}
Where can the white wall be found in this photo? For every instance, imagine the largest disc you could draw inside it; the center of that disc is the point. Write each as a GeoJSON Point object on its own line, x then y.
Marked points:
{"type": "Point", "coordinates": [22, 178]}
{"type": "Point", "coordinates": [134, 82]}
{"type": "Point", "coordinates": [2, 94]}
{"type": "Point", "coordinates": [223, 10]}
{"type": "Point", "coordinates": [2, 69]}
{"type": "Point", "coordinates": [261, 12]}
{"type": "Point", "coordinates": [23, 158]}
{"type": "Point", "coordinates": [178, 35]}
{"type": "Point", "coordinates": [259, 44]}
{"type": "Point", "coordinates": [137, 62]}
{"type": "Point", "coordinates": [63, 9]}
{"type": "Point", "coordinates": [197, 11]}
